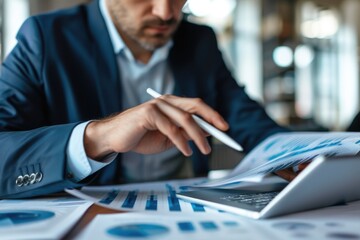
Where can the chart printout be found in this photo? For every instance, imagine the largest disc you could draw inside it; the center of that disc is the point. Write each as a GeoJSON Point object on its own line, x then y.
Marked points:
{"type": "Point", "coordinates": [285, 150]}
{"type": "Point", "coordinates": [40, 218]}
{"type": "Point", "coordinates": [144, 197]}
{"type": "Point", "coordinates": [336, 222]}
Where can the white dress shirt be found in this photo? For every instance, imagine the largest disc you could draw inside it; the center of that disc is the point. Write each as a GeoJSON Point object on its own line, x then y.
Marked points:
{"type": "Point", "coordinates": [135, 77]}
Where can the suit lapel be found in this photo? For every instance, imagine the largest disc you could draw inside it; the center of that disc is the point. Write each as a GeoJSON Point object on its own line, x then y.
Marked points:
{"type": "Point", "coordinates": [182, 64]}
{"type": "Point", "coordinates": [108, 82]}
{"type": "Point", "coordinates": [184, 75]}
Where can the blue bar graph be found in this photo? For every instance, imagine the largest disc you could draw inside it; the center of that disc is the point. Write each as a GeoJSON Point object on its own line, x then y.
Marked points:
{"type": "Point", "coordinates": [130, 200]}
{"type": "Point", "coordinates": [208, 225]}
{"type": "Point", "coordinates": [174, 204]}
{"type": "Point", "coordinates": [109, 197]}
{"type": "Point", "coordinates": [151, 202]}
{"type": "Point", "coordinates": [197, 207]}
{"type": "Point", "coordinates": [186, 226]}
{"type": "Point", "coordinates": [230, 224]}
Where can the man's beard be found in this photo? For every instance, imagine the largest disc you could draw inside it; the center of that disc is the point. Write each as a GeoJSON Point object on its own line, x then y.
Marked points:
{"type": "Point", "coordinates": [150, 46]}
{"type": "Point", "coordinates": [147, 44]}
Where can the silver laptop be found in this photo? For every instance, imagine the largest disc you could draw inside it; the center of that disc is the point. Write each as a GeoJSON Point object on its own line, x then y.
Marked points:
{"type": "Point", "coordinates": [325, 182]}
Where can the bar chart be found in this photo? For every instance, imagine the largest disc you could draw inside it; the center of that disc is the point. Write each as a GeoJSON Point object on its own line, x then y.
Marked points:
{"type": "Point", "coordinates": [144, 197]}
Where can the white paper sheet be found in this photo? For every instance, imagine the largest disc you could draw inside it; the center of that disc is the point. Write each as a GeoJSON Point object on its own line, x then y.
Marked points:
{"type": "Point", "coordinates": [339, 222]}
{"type": "Point", "coordinates": [49, 218]}
{"type": "Point", "coordinates": [144, 197]}
{"type": "Point", "coordinates": [174, 227]}
{"type": "Point", "coordinates": [285, 150]}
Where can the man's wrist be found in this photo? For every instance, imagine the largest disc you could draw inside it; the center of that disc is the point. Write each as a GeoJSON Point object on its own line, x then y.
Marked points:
{"type": "Point", "coordinates": [95, 143]}
{"type": "Point", "coordinates": [79, 165]}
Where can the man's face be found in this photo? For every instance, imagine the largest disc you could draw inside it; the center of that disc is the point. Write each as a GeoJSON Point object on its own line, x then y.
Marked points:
{"type": "Point", "coordinates": [147, 23]}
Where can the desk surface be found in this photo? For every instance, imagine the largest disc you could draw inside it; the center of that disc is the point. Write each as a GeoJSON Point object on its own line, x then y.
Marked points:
{"type": "Point", "coordinates": [89, 215]}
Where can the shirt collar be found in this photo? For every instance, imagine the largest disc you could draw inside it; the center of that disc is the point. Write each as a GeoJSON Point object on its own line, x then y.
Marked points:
{"type": "Point", "coordinates": [119, 45]}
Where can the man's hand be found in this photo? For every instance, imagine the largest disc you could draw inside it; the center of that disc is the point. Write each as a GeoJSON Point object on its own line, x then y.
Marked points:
{"type": "Point", "coordinates": [289, 174]}
{"type": "Point", "coordinates": [152, 127]}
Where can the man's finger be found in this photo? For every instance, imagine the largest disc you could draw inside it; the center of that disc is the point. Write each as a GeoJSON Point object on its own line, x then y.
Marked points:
{"type": "Point", "coordinates": [199, 107]}
{"type": "Point", "coordinates": [184, 120]}
{"type": "Point", "coordinates": [173, 132]}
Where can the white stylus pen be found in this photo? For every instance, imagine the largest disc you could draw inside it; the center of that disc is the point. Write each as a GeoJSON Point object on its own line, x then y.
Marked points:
{"type": "Point", "coordinates": [222, 137]}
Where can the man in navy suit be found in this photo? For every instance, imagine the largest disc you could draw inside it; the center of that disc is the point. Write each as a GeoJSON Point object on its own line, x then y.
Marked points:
{"type": "Point", "coordinates": [73, 107]}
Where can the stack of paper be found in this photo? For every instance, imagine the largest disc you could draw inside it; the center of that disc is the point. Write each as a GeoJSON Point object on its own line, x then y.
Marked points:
{"type": "Point", "coordinates": [285, 150]}
{"type": "Point", "coordinates": [48, 218]}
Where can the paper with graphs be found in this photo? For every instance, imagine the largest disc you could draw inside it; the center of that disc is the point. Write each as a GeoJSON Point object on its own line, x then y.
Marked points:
{"type": "Point", "coordinates": [144, 197]}
{"type": "Point", "coordinates": [285, 150]}
{"type": "Point", "coordinates": [336, 222]}
{"type": "Point", "coordinates": [40, 218]}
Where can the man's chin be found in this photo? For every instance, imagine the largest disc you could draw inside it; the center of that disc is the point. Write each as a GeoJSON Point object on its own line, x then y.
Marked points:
{"type": "Point", "coordinates": [152, 45]}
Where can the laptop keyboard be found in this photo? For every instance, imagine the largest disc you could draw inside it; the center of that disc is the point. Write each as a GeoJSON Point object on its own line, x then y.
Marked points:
{"type": "Point", "coordinates": [257, 200]}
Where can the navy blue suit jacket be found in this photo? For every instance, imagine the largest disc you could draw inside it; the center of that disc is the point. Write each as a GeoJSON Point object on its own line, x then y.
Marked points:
{"type": "Point", "coordinates": [63, 71]}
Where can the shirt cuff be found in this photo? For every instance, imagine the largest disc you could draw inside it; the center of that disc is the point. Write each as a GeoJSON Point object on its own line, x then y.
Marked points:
{"type": "Point", "coordinates": [78, 164]}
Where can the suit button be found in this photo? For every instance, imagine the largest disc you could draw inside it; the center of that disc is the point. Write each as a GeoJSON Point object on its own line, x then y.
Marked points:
{"type": "Point", "coordinates": [38, 177]}
{"type": "Point", "coordinates": [26, 180]}
{"type": "Point", "coordinates": [19, 181]}
{"type": "Point", "coordinates": [32, 178]}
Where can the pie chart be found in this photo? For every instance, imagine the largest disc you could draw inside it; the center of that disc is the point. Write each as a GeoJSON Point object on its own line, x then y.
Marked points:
{"type": "Point", "coordinates": [291, 226]}
{"type": "Point", "coordinates": [17, 217]}
{"type": "Point", "coordinates": [138, 230]}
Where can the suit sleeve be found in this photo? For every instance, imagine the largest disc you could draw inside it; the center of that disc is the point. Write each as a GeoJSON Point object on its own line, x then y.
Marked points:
{"type": "Point", "coordinates": [32, 147]}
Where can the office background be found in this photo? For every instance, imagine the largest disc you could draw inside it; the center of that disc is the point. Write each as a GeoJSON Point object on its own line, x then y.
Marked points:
{"type": "Point", "coordinates": [299, 58]}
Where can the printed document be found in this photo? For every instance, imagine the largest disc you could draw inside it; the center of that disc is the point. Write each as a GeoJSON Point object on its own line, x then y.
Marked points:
{"type": "Point", "coordinates": [285, 150]}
